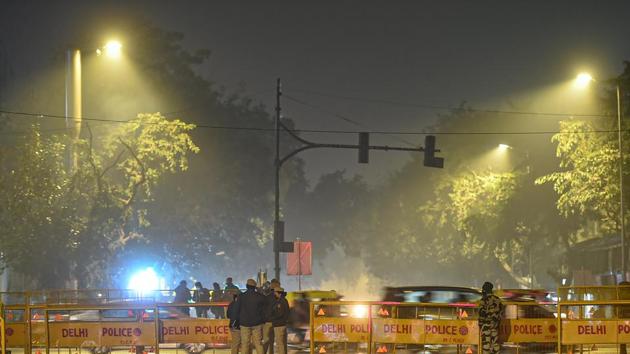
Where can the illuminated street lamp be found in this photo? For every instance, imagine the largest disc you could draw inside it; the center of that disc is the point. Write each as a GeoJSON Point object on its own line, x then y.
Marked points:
{"type": "Point", "coordinates": [503, 147]}
{"type": "Point", "coordinates": [582, 81]}
{"type": "Point", "coordinates": [112, 49]}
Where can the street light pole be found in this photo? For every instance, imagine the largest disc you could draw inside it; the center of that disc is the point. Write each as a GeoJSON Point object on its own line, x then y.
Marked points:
{"type": "Point", "coordinates": [582, 80]}
{"type": "Point", "coordinates": [621, 211]}
{"type": "Point", "coordinates": [276, 220]}
{"type": "Point", "coordinates": [73, 101]}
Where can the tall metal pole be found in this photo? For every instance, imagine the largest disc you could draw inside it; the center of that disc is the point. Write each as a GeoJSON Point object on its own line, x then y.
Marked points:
{"type": "Point", "coordinates": [621, 208]}
{"type": "Point", "coordinates": [276, 246]}
{"type": "Point", "coordinates": [77, 109]}
{"type": "Point", "coordinates": [73, 105]}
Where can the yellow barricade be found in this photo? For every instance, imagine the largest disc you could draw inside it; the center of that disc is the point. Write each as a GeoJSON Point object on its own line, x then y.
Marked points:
{"type": "Point", "coordinates": [112, 325]}
{"type": "Point", "coordinates": [388, 327]}
{"type": "Point", "coordinates": [602, 325]}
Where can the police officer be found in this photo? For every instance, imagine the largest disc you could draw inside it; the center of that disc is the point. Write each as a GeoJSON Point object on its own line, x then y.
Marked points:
{"type": "Point", "coordinates": [235, 330]}
{"type": "Point", "coordinates": [219, 295]}
{"type": "Point", "coordinates": [200, 295]}
{"type": "Point", "coordinates": [270, 299]}
{"type": "Point", "coordinates": [279, 319]}
{"type": "Point", "coordinates": [490, 309]}
{"type": "Point", "coordinates": [250, 306]}
{"type": "Point", "coordinates": [182, 295]}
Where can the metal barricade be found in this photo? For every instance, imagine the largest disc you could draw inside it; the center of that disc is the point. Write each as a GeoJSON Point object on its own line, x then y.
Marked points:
{"type": "Point", "coordinates": [389, 327]}
{"type": "Point", "coordinates": [102, 328]}
{"type": "Point", "coordinates": [587, 326]}
{"type": "Point", "coordinates": [382, 327]}
{"type": "Point", "coordinates": [529, 327]}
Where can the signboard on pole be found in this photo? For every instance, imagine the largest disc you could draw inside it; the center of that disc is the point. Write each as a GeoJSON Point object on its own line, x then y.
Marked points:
{"type": "Point", "coordinates": [300, 261]}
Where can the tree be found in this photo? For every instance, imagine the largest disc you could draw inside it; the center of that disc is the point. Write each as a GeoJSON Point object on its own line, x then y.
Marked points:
{"type": "Point", "coordinates": [586, 179]}
{"type": "Point", "coordinates": [588, 184]}
{"type": "Point", "coordinates": [58, 223]}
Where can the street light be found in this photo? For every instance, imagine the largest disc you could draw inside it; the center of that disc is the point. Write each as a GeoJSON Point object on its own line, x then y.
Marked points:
{"type": "Point", "coordinates": [73, 107]}
{"type": "Point", "coordinates": [503, 147]}
{"type": "Point", "coordinates": [112, 49]}
{"type": "Point", "coordinates": [582, 81]}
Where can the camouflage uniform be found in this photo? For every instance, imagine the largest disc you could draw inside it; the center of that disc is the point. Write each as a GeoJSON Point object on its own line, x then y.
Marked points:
{"type": "Point", "coordinates": [490, 309]}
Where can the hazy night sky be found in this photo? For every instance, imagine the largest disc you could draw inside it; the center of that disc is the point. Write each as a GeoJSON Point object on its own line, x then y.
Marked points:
{"type": "Point", "coordinates": [425, 52]}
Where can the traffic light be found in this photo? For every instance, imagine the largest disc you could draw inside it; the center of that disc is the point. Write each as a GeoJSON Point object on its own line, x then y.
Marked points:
{"type": "Point", "coordinates": [279, 245]}
{"type": "Point", "coordinates": [429, 153]}
{"type": "Point", "coordinates": [364, 147]}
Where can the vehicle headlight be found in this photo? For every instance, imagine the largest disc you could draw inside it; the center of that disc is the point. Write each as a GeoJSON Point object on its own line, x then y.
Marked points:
{"type": "Point", "coordinates": [359, 311]}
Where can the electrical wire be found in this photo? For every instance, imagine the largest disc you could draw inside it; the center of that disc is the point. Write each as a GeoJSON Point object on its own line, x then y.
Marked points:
{"type": "Point", "coordinates": [344, 118]}
{"type": "Point", "coordinates": [323, 131]}
{"type": "Point", "coordinates": [448, 108]}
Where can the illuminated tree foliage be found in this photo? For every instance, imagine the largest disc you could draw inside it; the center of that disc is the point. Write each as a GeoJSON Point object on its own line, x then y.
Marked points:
{"type": "Point", "coordinates": [588, 184]}
{"type": "Point", "coordinates": [587, 180]}
{"type": "Point", "coordinates": [59, 225]}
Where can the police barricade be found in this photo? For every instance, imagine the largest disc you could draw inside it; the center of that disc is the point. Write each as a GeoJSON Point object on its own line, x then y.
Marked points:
{"type": "Point", "coordinates": [340, 327]}
{"type": "Point", "coordinates": [104, 328]}
{"type": "Point", "coordinates": [529, 327]}
{"type": "Point", "coordinates": [381, 327]}
{"type": "Point", "coordinates": [594, 326]}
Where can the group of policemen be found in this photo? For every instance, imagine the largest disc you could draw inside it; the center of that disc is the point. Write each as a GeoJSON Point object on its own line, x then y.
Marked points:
{"type": "Point", "coordinates": [200, 294]}
{"type": "Point", "coordinates": [259, 317]}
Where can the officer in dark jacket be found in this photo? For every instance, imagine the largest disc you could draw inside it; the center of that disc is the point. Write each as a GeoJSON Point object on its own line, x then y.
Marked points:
{"type": "Point", "coordinates": [279, 318]}
{"type": "Point", "coordinates": [250, 306]}
{"type": "Point", "coordinates": [201, 295]}
{"type": "Point", "coordinates": [235, 330]}
{"type": "Point", "coordinates": [270, 298]}
{"type": "Point", "coordinates": [182, 295]}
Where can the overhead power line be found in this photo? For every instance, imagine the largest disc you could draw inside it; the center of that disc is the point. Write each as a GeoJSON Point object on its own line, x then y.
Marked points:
{"type": "Point", "coordinates": [323, 131]}
{"type": "Point", "coordinates": [342, 117]}
{"type": "Point", "coordinates": [445, 108]}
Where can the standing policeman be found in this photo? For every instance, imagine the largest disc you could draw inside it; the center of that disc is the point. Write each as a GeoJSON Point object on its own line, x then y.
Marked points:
{"type": "Point", "coordinates": [250, 317]}
{"type": "Point", "coordinates": [279, 319]}
{"type": "Point", "coordinates": [490, 309]}
{"type": "Point", "coordinates": [235, 330]}
{"type": "Point", "coordinates": [270, 299]}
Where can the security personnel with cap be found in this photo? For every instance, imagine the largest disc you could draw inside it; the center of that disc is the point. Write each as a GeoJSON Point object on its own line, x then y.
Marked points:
{"type": "Point", "coordinates": [279, 319]}
{"type": "Point", "coordinates": [250, 306]}
{"type": "Point", "coordinates": [490, 309]}
{"type": "Point", "coordinates": [268, 326]}
{"type": "Point", "coordinates": [235, 329]}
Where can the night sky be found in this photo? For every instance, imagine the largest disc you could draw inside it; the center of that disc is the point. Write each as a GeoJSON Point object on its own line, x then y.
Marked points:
{"type": "Point", "coordinates": [423, 52]}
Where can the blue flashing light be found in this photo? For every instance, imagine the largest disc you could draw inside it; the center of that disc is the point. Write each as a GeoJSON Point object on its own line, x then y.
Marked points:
{"type": "Point", "coordinates": [144, 280]}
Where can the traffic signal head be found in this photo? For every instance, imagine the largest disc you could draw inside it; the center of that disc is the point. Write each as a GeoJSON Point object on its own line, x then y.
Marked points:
{"type": "Point", "coordinates": [429, 153]}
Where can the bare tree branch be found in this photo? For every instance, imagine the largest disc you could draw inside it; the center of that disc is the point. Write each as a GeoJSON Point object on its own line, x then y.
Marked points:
{"type": "Point", "coordinates": [143, 174]}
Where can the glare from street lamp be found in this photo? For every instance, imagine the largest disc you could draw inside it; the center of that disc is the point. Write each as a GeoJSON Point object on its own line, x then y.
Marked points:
{"type": "Point", "coordinates": [112, 49]}
{"type": "Point", "coordinates": [503, 147]}
{"type": "Point", "coordinates": [583, 80]}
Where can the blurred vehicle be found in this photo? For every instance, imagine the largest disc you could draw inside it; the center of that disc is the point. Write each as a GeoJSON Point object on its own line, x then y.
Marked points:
{"type": "Point", "coordinates": [462, 303]}
{"type": "Point", "coordinates": [298, 335]}
{"type": "Point", "coordinates": [432, 294]}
